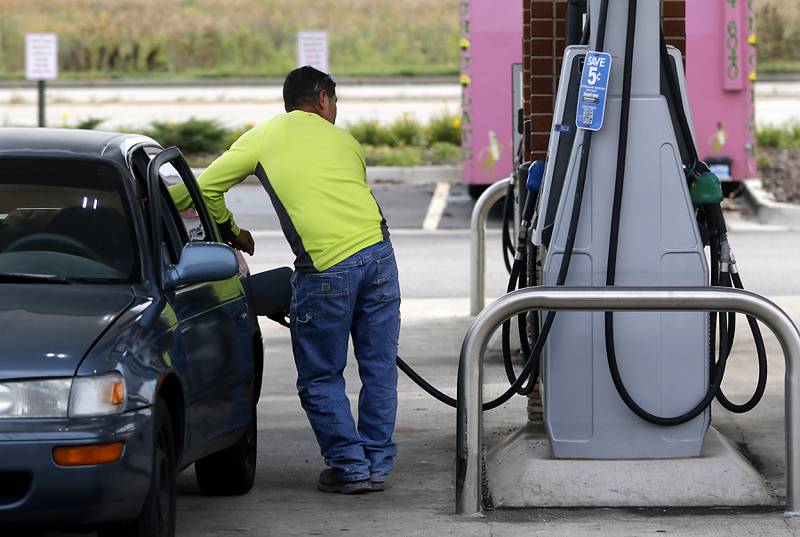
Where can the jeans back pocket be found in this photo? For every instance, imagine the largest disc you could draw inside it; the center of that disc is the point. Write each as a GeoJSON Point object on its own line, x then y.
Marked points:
{"type": "Point", "coordinates": [324, 295]}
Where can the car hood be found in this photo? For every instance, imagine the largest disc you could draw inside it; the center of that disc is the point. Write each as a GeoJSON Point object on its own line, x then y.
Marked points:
{"type": "Point", "coordinates": [47, 329]}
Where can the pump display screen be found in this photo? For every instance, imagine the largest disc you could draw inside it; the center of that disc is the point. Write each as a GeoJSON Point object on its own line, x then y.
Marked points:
{"type": "Point", "coordinates": [593, 91]}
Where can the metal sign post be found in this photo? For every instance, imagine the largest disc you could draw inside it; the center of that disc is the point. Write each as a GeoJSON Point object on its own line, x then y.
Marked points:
{"type": "Point", "coordinates": [41, 64]}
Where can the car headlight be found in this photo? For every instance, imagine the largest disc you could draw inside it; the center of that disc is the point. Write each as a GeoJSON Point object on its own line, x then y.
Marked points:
{"type": "Point", "coordinates": [35, 398]}
{"type": "Point", "coordinates": [99, 395]}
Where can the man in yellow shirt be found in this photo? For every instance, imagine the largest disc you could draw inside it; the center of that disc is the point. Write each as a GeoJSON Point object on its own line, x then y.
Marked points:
{"type": "Point", "coordinates": [345, 281]}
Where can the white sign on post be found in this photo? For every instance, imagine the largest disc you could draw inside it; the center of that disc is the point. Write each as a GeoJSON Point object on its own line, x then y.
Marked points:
{"type": "Point", "coordinates": [41, 56]}
{"type": "Point", "coordinates": [312, 49]}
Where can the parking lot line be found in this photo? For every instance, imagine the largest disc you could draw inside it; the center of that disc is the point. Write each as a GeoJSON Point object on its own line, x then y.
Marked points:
{"type": "Point", "coordinates": [437, 206]}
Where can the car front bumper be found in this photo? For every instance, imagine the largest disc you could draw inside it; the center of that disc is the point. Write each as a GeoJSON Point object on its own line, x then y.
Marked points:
{"type": "Point", "coordinates": [34, 490]}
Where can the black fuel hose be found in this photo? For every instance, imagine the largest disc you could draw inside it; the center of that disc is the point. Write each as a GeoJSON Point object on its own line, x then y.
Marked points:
{"type": "Point", "coordinates": [761, 351]}
{"type": "Point", "coordinates": [508, 217]}
{"type": "Point", "coordinates": [613, 247]}
{"type": "Point", "coordinates": [728, 276]}
{"type": "Point", "coordinates": [718, 370]}
{"type": "Point", "coordinates": [715, 221]}
{"type": "Point", "coordinates": [530, 372]}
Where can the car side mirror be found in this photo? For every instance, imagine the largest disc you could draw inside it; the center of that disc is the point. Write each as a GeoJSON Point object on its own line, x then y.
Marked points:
{"type": "Point", "coordinates": [202, 262]}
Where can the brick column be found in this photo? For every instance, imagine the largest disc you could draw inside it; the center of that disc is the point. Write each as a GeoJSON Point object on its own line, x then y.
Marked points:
{"type": "Point", "coordinates": [543, 47]}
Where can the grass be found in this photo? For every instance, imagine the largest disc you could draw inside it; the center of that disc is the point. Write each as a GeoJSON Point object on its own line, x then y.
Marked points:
{"type": "Point", "coordinates": [257, 38]}
{"type": "Point", "coordinates": [778, 31]}
{"type": "Point", "coordinates": [780, 67]}
{"type": "Point", "coordinates": [209, 38]}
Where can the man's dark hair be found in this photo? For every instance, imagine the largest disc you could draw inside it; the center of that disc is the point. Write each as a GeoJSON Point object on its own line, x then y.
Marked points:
{"type": "Point", "coordinates": [302, 86]}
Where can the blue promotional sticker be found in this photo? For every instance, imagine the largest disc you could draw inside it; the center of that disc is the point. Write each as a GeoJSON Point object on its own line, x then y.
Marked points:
{"type": "Point", "coordinates": [594, 91]}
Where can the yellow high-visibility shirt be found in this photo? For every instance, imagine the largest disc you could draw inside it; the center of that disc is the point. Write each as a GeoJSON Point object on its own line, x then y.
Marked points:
{"type": "Point", "coordinates": [315, 174]}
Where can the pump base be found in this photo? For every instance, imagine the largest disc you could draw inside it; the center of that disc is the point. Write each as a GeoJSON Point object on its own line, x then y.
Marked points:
{"type": "Point", "coordinates": [522, 473]}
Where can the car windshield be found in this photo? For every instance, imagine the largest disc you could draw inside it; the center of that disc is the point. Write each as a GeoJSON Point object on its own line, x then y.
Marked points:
{"type": "Point", "coordinates": [64, 220]}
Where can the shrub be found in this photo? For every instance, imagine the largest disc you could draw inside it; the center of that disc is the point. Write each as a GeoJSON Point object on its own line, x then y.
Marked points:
{"type": "Point", "coordinates": [393, 156]}
{"type": "Point", "coordinates": [235, 134]}
{"type": "Point", "coordinates": [191, 136]}
{"type": "Point", "coordinates": [371, 132]}
{"type": "Point", "coordinates": [779, 137]}
{"type": "Point", "coordinates": [406, 131]}
{"type": "Point", "coordinates": [444, 153]}
{"type": "Point", "coordinates": [90, 123]}
{"type": "Point", "coordinates": [445, 128]}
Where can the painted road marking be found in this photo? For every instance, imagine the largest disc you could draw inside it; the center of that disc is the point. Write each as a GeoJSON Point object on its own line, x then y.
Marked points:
{"type": "Point", "coordinates": [437, 206]}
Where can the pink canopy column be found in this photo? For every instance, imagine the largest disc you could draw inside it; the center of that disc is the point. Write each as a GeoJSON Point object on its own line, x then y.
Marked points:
{"type": "Point", "coordinates": [721, 73]}
{"type": "Point", "coordinates": [491, 43]}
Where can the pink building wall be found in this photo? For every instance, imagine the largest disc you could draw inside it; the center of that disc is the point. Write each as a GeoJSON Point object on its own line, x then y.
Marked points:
{"type": "Point", "coordinates": [721, 75]}
{"type": "Point", "coordinates": [491, 43]}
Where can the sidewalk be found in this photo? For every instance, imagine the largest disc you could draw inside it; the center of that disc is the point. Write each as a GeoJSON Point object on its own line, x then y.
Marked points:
{"type": "Point", "coordinates": [420, 496]}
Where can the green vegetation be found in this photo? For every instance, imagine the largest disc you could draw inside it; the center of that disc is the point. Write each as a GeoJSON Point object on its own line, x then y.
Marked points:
{"type": "Point", "coordinates": [779, 137]}
{"type": "Point", "coordinates": [445, 128]}
{"type": "Point", "coordinates": [778, 30]}
{"type": "Point", "coordinates": [257, 38]}
{"type": "Point", "coordinates": [780, 67]}
{"type": "Point", "coordinates": [403, 143]}
{"type": "Point", "coordinates": [407, 143]}
{"type": "Point", "coordinates": [192, 136]}
{"type": "Point", "coordinates": [233, 38]}
{"type": "Point", "coordinates": [371, 132]}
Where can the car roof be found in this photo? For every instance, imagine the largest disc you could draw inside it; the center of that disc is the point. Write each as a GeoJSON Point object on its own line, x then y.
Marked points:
{"type": "Point", "coordinates": [67, 143]}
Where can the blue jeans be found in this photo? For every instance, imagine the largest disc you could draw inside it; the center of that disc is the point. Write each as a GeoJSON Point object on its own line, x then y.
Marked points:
{"type": "Point", "coordinates": [360, 297]}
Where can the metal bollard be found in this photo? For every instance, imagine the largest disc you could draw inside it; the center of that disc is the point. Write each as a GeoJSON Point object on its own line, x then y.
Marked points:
{"type": "Point", "coordinates": [480, 213]}
{"type": "Point", "coordinates": [470, 375]}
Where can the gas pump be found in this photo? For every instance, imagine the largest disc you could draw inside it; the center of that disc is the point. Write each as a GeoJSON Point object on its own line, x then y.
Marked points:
{"type": "Point", "coordinates": [628, 376]}
{"type": "Point", "coordinates": [623, 199]}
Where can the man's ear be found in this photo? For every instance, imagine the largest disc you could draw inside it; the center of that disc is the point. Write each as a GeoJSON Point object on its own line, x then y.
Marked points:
{"type": "Point", "coordinates": [323, 100]}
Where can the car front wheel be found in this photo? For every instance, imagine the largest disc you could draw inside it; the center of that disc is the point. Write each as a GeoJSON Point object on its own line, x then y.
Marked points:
{"type": "Point", "coordinates": [231, 471]}
{"type": "Point", "coordinates": [157, 518]}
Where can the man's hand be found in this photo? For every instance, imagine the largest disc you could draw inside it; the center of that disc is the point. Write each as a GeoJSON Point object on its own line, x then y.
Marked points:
{"type": "Point", "coordinates": [244, 242]}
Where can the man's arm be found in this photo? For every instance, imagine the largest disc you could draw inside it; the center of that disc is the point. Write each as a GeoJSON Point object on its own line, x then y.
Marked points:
{"type": "Point", "coordinates": [230, 169]}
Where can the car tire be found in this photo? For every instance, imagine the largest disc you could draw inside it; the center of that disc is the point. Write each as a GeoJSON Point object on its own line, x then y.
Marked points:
{"type": "Point", "coordinates": [232, 471]}
{"type": "Point", "coordinates": [157, 518]}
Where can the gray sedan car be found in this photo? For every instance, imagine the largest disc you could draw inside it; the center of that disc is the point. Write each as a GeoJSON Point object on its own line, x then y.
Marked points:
{"type": "Point", "coordinates": [128, 350]}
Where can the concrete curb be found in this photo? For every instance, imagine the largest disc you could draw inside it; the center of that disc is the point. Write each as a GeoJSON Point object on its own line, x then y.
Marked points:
{"type": "Point", "coordinates": [766, 209]}
{"type": "Point", "coordinates": [416, 175]}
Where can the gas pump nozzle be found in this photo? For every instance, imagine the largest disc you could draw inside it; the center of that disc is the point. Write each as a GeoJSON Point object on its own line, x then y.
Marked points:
{"type": "Point", "coordinates": [534, 183]}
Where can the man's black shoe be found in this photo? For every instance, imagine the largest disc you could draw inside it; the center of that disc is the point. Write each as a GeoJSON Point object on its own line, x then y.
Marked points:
{"type": "Point", "coordinates": [377, 486]}
{"type": "Point", "coordinates": [328, 482]}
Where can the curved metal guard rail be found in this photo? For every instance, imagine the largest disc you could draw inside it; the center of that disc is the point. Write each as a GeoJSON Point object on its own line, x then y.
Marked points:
{"type": "Point", "coordinates": [470, 375]}
{"type": "Point", "coordinates": [477, 289]}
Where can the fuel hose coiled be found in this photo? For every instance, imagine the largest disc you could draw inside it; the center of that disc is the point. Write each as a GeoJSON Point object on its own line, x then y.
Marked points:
{"type": "Point", "coordinates": [723, 266]}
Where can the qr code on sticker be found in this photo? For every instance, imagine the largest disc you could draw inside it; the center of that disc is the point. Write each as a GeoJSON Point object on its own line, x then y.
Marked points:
{"type": "Point", "coordinates": [588, 116]}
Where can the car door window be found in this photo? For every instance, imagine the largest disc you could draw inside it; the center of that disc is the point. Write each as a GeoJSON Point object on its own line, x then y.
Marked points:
{"type": "Point", "coordinates": [180, 206]}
